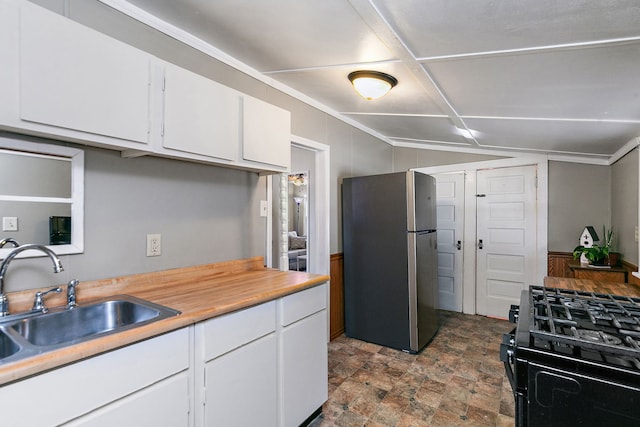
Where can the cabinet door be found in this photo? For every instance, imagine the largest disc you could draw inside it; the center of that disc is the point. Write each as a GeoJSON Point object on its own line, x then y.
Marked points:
{"type": "Point", "coordinates": [266, 136]}
{"type": "Point", "coordinates": [200, 115]}
{"type": "Point", "coordinates": [73, 77]}
{"type": "Point", "coordinates": [303, 368]}
{"type": "Point", "coordinates": [241, 387]}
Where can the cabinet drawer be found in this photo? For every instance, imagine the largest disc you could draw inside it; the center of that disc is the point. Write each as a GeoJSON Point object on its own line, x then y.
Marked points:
{"type": "Point", "coordinates": [165, 404]}
{"type": "Point", "coordinates": [303, 304]}
{"type": "Point", "coordinates": [224, 333]}
{"type": "Point", "coordinates": [93, 383]}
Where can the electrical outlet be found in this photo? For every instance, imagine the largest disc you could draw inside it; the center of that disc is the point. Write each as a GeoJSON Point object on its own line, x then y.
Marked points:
{"type": "Point", "coordinates": [9, 223]}
{"type": "Point", "coordinates": [154, 245]}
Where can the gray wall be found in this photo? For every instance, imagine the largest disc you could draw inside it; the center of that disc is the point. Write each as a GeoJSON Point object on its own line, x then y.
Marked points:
{"type": "Point", "coordinates": [624, 205]}
{"type": "Point", "coordinates": [353, 152]}
{"type": "Point", "coordinates": [579, 195]}
{"type": "Point", "coordinates": [205, 214]}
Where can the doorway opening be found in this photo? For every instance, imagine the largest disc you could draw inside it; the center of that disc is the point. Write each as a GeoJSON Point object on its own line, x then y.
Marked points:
{"type": "Point", "coordinates": [318, 207]}
{"type": "Point", "coordinates": [298, 220]}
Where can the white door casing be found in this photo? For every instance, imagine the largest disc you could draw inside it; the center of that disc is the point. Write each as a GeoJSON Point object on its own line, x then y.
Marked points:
{"type": "Point", "coordinates": [450, 213]}
{"type": "Point", "coordinates": [506, 237]}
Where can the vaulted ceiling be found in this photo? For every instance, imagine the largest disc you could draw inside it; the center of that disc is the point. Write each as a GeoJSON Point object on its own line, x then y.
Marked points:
{"type": "Point", "coordinates": [538, 76]}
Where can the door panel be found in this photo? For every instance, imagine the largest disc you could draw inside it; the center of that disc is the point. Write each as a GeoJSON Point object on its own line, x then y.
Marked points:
{"type": "Point", "coordinates": [506, 226]}
{"type": "Point", "coordinates": [450, 216]}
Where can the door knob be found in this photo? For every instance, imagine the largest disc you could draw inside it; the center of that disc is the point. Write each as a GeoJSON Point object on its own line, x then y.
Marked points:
{"type": "Point", "coordinates": [459, 245]}
{"type": "Point", "coordinates": [480, 244]}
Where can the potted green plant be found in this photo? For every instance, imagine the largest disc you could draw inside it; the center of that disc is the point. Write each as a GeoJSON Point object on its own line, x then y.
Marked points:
{"type": "Point", "coordinates": [596, 255]}
{"type": "Point", "coordinates": [600, 255]}
{"type": "Point", "coordinates": [613, 258]}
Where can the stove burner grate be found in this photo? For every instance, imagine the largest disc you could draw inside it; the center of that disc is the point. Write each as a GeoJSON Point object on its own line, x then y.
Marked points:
{"type": "Point", "coordinates": [596, 336]}
{"type": "Point", "coordinates": [586, 323]}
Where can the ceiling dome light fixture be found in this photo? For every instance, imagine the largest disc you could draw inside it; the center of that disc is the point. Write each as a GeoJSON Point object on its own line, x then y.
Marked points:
{"type": "Point", "coordinates": [372, 84]}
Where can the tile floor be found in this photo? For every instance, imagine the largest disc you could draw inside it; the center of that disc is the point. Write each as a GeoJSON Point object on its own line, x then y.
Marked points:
{"type": "Point", "coordinates": [457, 380]}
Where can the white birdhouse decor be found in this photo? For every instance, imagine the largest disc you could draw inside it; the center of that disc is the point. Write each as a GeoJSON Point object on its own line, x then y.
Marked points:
{"type": "Point", "coordinates": [589, 237]}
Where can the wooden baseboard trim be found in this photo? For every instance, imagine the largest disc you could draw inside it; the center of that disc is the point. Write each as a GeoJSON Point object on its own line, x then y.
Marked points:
{"type": "Point", "coordinates": [336, 303]}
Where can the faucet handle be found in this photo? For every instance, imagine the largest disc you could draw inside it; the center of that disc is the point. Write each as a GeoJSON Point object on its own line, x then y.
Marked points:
{"type": "Point", "coordinates": [4, 305]}
{"type": "Point", "coordinates": [71, 293]}
{"type": "Point", "coordinates": [38, 303]}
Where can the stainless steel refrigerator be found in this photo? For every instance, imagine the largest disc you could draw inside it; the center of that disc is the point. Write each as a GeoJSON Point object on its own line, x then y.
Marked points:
{"type": "Point", "coordinates": [390, 259]}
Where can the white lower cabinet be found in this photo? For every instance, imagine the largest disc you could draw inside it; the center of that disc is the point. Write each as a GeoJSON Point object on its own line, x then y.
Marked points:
{"type": "Point", "coordinates": [261, 366]}
{"type": "Point", "coordinates": [236, 374]}
{"type": "Point", "coordinates": [303, 355]}
{"type": "Point", "coordinates": [265, 365]}
{"type": "Point", "coordinates": [127, 383]}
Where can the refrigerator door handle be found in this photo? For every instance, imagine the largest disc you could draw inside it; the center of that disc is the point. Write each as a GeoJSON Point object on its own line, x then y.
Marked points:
{"type": "Point", "coordinates": [480, 245]}
{"type": "Point", "coordinates": [459, 245]}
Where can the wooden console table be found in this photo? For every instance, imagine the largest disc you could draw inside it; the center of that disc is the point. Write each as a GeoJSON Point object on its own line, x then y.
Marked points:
{"type": "Point", "coordinates": [602, 274]}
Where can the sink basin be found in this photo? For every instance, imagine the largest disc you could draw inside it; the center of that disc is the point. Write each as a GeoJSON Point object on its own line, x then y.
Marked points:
{"type": "Point", "coordinates": [60, 328]}
{"type": "Point", "coordinates": [7, 346]}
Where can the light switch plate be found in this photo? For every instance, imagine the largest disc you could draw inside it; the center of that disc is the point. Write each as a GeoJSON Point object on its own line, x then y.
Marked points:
{"type": "Point", "coordinates": [9, 223]}
{"type": "Point", "coordinates": [264, 208]}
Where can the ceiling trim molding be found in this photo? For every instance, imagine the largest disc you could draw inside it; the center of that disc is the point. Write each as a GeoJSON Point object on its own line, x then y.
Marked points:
{"type": "Point", "coordinates": [453, 148]}
{"type": "Point", "coordinates": [551, 119]}
{"type": "Point", "coordinates": [560, 157]}
{"type": "Point", "coordinates": [578, 159]}
{"type": "Point", "coordinates": [533, 49]}
{"type": "Point", "coordinates": [629, 146]}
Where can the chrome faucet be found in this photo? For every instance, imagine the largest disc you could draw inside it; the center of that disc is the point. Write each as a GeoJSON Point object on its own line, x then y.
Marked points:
{"type": "Point", "coordinates": [71, 293]}
{"type": "Point", "coordinates": [57, 268]}
{"type": "Point", "coordinates": [8, 240]}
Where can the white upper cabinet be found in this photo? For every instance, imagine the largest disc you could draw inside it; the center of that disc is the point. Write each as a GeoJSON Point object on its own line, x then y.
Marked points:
{"type": "Point", "coordinates": [65, 81]}
{"type": "Point", "coordinates": [62, 79]}
{"type": "Point", "coordinates": [266, 133]}
{"type": "Point", "coordinates": [200, 115]}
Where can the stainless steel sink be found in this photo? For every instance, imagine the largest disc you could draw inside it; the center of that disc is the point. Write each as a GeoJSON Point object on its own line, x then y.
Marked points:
{"type": "Point", "coordinates": [60, 328]}
{"type": "Point", "coordinates": [7, 346]}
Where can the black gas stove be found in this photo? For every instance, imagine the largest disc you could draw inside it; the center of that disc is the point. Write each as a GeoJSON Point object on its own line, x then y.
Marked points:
{"type": "Point", "coordinates": [574, 358]}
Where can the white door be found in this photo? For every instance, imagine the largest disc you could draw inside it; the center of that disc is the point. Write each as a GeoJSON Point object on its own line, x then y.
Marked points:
{"type": "Point", "coordinates": [450, 205]}
{"type": "Point", "coordinates": [506, 237]}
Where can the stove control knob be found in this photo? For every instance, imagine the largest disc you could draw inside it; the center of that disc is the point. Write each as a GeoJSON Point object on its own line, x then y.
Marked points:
{"type": "Point", "coordinates": [514, 313]}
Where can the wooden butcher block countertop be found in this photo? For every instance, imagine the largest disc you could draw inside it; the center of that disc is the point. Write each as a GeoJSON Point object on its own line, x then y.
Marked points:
{"type": "Point", "coordinates": [626, 289]}
{"type": "Point", "coordinates": [200, 293]}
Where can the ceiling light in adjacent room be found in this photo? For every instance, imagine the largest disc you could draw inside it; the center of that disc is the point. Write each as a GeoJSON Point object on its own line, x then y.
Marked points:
{"type": "Point", "coordinates": [372, 84]}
